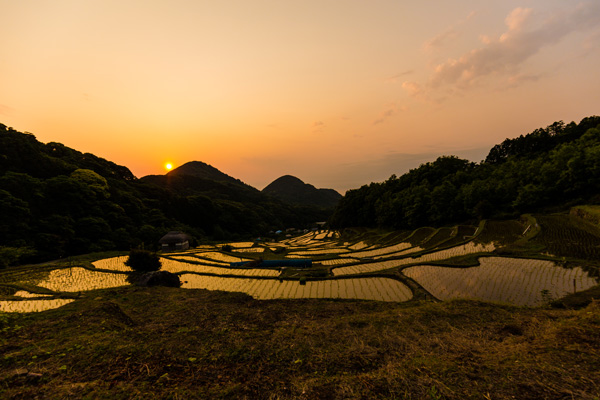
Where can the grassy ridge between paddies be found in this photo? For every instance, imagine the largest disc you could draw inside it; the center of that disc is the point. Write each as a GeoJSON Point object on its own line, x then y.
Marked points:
{"type": "Point", "coordinates": [133, 342]}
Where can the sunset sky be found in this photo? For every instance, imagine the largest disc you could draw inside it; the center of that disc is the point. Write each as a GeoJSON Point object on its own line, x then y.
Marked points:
{"type": "Point", "coordinates": [339, 93]}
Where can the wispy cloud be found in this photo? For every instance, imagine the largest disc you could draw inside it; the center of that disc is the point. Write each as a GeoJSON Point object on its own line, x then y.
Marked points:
{"type": "Point", "coordinates": [6, 110]}
{"type": "Point", "coordinates": [450, 34]}
{"type": "Point", "coordinates": [318, 126]}
{"type": "Point", "coordinates": [503, 56]}
{"type": "Point", "coordinates": [389, 111]}
{"type": "Point", "coordinates": [519, 79]}
{"type": "Point", "coordinates": [396, 78]}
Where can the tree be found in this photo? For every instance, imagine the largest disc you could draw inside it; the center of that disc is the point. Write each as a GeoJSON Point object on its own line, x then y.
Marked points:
{"type": "Point", "coordinates": [96, 182]}
{"type": "Point", "coordinates": [143, 261]}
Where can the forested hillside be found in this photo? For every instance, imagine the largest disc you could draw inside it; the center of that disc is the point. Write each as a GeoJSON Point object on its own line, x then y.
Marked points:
{"type": "Point", "coordinates": [551, 167]}
{"type": "Point", "coordinates": [56, 202]}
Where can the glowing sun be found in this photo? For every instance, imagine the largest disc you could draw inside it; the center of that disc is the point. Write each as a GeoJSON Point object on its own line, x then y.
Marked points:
{"type": "Point", "coordinates": [168, 166]}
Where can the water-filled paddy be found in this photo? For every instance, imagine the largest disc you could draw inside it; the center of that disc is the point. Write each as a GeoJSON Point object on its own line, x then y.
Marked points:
{"type": "Point", "coordinates": [32, 305]}
{"type": "Point", "coordinates": [382, 289]}
{"type": "Point", "coordinates": [455, 251]}
{"type": "Point", "coordinates": [506, 280]}
{"type": "Point", "coordinates": [80, 279]}
{"type": "Point", "coordinates": [179, 265]}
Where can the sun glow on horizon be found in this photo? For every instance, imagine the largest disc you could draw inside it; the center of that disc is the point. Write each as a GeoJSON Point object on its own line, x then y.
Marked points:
{"type": "Point", "coordinates": [238, 87]}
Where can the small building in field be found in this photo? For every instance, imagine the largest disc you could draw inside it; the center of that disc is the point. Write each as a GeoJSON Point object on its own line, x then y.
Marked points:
{"type": "Point", "coordinates": [174, 240]}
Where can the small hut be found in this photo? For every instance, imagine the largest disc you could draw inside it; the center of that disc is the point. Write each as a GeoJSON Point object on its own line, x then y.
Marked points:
{"type": "Point", "coordinates": [174, 240]}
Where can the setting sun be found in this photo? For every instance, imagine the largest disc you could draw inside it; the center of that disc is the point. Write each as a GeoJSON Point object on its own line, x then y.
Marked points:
{"type": "Point", "coordinates": [168, 166]}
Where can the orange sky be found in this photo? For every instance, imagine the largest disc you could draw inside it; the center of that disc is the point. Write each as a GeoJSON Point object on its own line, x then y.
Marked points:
{"type": "Point", "coordinates": [338, 93]}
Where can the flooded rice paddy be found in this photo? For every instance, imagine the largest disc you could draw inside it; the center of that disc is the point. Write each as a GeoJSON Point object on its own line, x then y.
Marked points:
{"type": "Point", "coordinates": [515, 281]}
{"type": "Point", "coordinates": [32, 305]}
{"type": "Point", "coordinates": [382, 289]}
{"type": "Point", "coordinates": [338, 272]}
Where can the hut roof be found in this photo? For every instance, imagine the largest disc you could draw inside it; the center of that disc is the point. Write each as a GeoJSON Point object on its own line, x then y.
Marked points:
{"type": "Point", "coordinates": [174, 237]}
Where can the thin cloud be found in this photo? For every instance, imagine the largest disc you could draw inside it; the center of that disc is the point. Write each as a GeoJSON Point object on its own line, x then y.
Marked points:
{"type": "Point", "coordinates": [390, 111]}
{"type": "Point", "coordinates": [446, 36]}
{"type": "Point", "coordinates": [396, 78]}
{"type": "Point", "coordinates": [414, 89]}
{"type": "Point", "coordinates": [6, 110]}
{"type": "Point", "coordinates": [505, 54]}
{"type": "Point", "coordinates": [318, 126]}
{"type": "Point", "coordinates": [519, 79]}
{"type": "Point", "coordinates": [591, 43]}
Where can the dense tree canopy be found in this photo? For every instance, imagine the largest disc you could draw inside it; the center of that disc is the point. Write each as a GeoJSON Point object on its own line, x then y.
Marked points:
{"type": "Point", "coordinates": [56, 202]}
{"type": "Point", "coordinates": [550, 167]}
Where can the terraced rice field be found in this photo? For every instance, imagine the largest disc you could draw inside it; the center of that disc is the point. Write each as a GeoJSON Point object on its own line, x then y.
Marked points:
{"type": "Point", "coordinates": [505, 280]}
{"type": "Point", "coordinates": [468, 248]}
{"type": "Point", "coordinates": [382, 250]}
{"type": "Point", "coordinates": [567, 235]}
{"type": "Point", "coordinates": [23, 306]}
{"type": "Point", "coordinates": [113, 264]}
{"type": "Point", "coordinates": [197, 260]}
{"type": "Point", "coordinates": [80, 279]}
{"type": "Point", "coordinates": [358, 246]}
{"type": "Point", "coordinates": [178, 266]}
{"type": "Point", "coordinates": [221, 257]}
{"type": "Point", "coordinates": [320, 251]}
{"type": "Point", "coordinates": [337, 260]}
{"type": "Point", "coordinates": [249, 250]}
{"type": "Point", "coordinates": [381, 289]}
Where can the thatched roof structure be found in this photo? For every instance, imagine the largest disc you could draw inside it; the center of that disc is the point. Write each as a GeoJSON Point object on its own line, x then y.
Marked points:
{"type": "Point", "coordinates": [174, 237]}
{"type": "Point", "coordinates": [175, 240]}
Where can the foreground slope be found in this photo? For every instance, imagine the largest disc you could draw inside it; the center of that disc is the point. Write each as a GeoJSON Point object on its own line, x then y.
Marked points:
{"type": "Point", "coordinates": [134, 342]}
{"type": "Point", "coordinates": [162, 342]}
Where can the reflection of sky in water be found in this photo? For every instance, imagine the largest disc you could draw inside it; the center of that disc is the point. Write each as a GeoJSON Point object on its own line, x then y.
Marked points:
{"type": "Point", "coordinates": [515, 281]}
{"type": "Point", "coordinates": [176, 266]}
{"type": "Point", "coordinates": [463, 249]}
{"type": "Point", "coordinates": [32, 305]}
{"type": "Point", "coordinates": [382, 289]}
{"type": "Point", "coordinates": [80, 279]}
{"type": "Point", "coordinates": [23, 293]}
{"type": "Point", "coordinates": [505, 280]}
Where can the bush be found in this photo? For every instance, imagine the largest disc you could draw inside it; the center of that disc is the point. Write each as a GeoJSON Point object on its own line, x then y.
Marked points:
{"type": "Point", "coordinates": [13, 255]}
{"type": "Point", "coordinates": [143, 261]}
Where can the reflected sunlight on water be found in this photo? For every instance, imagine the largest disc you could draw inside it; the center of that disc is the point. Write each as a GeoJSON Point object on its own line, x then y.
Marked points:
{"type": "Point", "coordinates": [506, 280]}
{"type": "Point", "coordinates": [32, 305]}
{"type": "Point", "coordinates": [382, 289]}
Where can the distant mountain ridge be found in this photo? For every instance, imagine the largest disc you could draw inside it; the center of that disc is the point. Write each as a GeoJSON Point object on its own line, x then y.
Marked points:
{"type": "Point", "coordinates": [201, 170]}
{"type": "Point", "coordinates": [56, 202]}
{"type": "Point", "coordinates": [292, 190]}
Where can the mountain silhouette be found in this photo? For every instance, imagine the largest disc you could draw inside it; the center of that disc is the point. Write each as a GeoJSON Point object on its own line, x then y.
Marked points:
{"type": "Point", "coordinates": [292, 190]}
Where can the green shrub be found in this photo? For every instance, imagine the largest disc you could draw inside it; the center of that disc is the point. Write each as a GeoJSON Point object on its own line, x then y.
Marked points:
{"type": "Point", "coordinates": [12, 255]}
{"type": "Point", "coordinates": [143, 261]}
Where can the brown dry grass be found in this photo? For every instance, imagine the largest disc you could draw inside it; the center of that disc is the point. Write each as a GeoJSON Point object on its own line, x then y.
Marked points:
{"type": "Point", "coordinates": [173, 343]}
